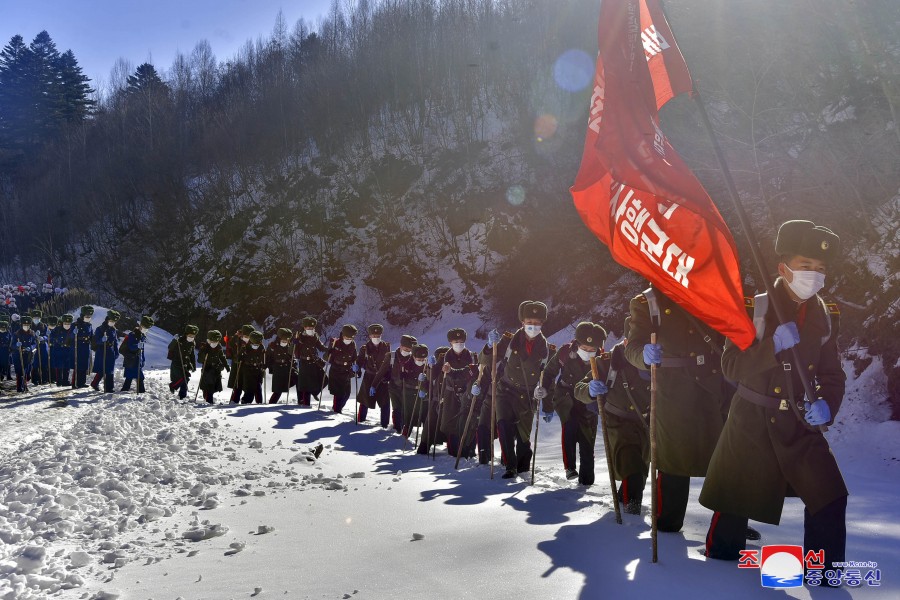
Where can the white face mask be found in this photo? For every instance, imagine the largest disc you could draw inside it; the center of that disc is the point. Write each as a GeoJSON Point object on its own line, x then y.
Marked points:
{"type": "Point", "coordinates": [348, 342]}
{"type": "Point", "coordinates": [419, 362]}
{"type": "Point", "coordinates": [309, 332]}
{"type": "Point", "coordinates": [254, 346]}
{"type": "Point", "coordinates": [213, 344]}
{"type": "Point", "coordinates": [532, 330]}
{"type": "Point", "coordinates": [111, 323]}
{"type": "Point", "coordinates": [67, 326]}
{"type": "Point", "coordinates": [806, 284]}
{"type": "Point", "coordinates": [36, 321]}
{"type": "Point", "coordinates": [282, 343]}
{"type": "Point", "coordinates": [245, 339]}
{"type": "Point", "coordinates": [585, 355]}
{"type": "Point", "coordinates": [190, 338]}
{"type": "Point", "coordinates": [376, 340]}
{"type": "Point", "coordinates": [405, 353]}
{"type": "Point", "coordinates": [458, 346]}
{"type": "Point", "coordinates": [26, 327]}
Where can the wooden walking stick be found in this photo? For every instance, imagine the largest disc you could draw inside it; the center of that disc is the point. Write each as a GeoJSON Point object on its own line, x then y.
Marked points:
{"type": "Point", "coordinates": [22, 367]}
{"type": "Point", "coordinates": [415, 419]}
{"type": "Point", "coordinates": [537, 427]}
{"type": "Point", "coordinates": [493, 403]}
{"type": "Point", "coordinates": [595, 373]}
{"type": "Point", "coordinates": [654, 494]}
{"type": "Point", "coordinates": [462, 438]}
{"type": "Point", "coordinates": [428, 367]}
{"type": "Point", "coordinates": [180, 360]}
{"type": "Point", "coordinates": [437, 424]}
{"type": "Point", "coordinates": [202, 370]}
{"type": "Point", "coordinates": [75, 373]}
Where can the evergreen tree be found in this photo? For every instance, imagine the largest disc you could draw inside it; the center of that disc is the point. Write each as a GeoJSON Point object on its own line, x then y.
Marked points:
{"type": "Point", "coordinates": [44, 84]}
{"type": "Point", "coordinates": [77, 103]}
{"type": "Point", "coordinates": [15, 102]}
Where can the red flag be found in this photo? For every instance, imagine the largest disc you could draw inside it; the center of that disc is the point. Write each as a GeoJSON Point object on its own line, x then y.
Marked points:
{"type": "Point", "coordinates": [634, 191]}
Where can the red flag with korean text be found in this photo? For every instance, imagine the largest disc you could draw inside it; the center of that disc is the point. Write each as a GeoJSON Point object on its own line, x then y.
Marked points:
{"type": "Point", "coordinates": [635, 192]}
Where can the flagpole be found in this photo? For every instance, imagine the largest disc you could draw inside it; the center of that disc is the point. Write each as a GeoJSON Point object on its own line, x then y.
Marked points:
{"type": "Point", "coordinates": [754, 249]}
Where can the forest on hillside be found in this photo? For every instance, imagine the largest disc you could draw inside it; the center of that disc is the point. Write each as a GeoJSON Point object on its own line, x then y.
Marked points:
{"type": "Point", "coordinates": [399, 158]}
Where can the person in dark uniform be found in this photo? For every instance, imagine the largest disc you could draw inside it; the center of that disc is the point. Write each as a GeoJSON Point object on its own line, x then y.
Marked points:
{"type": "Point", "coordinates": [401, 374]}
{"type": "Point", "coordinates": [279, 362]}
{"type": "Point", "coordinates": [184, 361]}
{"type": "Point", "coordinates": [211, 355]}
{"type": "Point", "coordinates": [132, 351]}
{"type": "Point", "coordinates": [310, 366]}
{"type": "Point", "coordinates": [340, 365]}
{"type": "Point", "coordinates": [626, 410]}
{"type": "Point", "coordinates": [522, 357]}
{"type": "Point", "coordinates": [431, 406]}
{"type": "Point", "coordinates": [106, 351]}
{"type": "Point", "coordinates": [5, 339]}
{"type": "Point", "coordinates": [40, 373]}
{"type": "Point", "coordinates": [233, 352]}
{"type": "Point", "coordinates": [253, 365]}
{"type": "Point", "coordinates": [692, 395]}
{"type": "Point", "coordinates": [459, 368]}
{"type": "Point", "coordinates": [61, 339]}
{"type": "Point", "coordinates": [566, 368]}
{"type": "Point", "coordinates": [772, 446]}
{"type": "Point", "coordinates": [84, 337]}
{"type": "Point", "coordinates": [372, 355]}
{"type": "Point", "coordinates": [23, 346]}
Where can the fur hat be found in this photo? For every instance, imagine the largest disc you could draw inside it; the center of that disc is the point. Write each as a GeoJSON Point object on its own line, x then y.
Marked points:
{"type": "Point", "coordinates": [440, 351]}
{"type": "Point", "coordinates": [52, 321]}
{"type": "Point", "coordinates": [247, 329]}
{"type": "Point", "coordinates": [214, 335]}
{"type": "Point", "coordinates": [408, 341]}
{"type": "Point", "coordinates": [532, 309]}
{"type": "Point", "coordinates": [375, 329]}
{"type": "Point", "coordinates": [457, 334]}
{"type": "Point", "coordinates": [307, 322]}
{"type": "Point", "coordinates": [113, 315]}
{"type": "Point", "coordinates": [87, 310]}
{"type": "Point", "coordinates": [805, 238]}
{"type": "Point", "coordinates": [191, 330]}
{"type": "Point", "coordinates": [256, 337]}
{"type": "Point", "coordinates": [349, 331]}
{"type": "Point", "coordinates": [590, 334]}
{"type": "Point", "coordinates": [284, 333]}
{"type": "Point", "coordinates": [147, 321]}
{"type": "Point", "coordinates": [420, 351]}
{"type": "Point", "coordinates": [67, 318]}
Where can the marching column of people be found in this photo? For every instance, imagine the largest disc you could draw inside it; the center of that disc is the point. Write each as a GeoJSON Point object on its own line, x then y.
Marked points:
{"type": "Point", "coordinates": [718, 409]}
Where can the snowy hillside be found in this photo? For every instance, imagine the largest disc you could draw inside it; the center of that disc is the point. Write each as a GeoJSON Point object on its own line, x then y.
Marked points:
{"type": "Point", "coordinates": [127, 496]}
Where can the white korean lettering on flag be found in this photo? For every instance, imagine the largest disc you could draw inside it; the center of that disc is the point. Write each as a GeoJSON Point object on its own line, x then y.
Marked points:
{"type": "Point", "coordinates": [654, 42]}
{"type": "Point", "coordinates": [639, 227]}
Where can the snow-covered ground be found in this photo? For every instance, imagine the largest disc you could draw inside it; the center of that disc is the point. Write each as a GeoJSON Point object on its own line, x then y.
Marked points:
{"type": "Point", "coordinates": [120, 495]}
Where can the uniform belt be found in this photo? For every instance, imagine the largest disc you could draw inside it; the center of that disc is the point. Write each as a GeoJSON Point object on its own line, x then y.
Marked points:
{"type": "Point", "coordinates": [755, 397]}
{"type": "Point", "coordinates": [619, 412]}
{"type": "Point", "coordinates": [684, 361]}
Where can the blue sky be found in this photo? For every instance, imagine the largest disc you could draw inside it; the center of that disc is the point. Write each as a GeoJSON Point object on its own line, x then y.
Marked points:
{"type": "Point", "coordinates": [101, 31]}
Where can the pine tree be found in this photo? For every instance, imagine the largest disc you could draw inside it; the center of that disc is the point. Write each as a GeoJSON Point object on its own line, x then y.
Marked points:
{"type": "Point", "coordinates": [15, 104]}
{"type": "Point", "coordinates": [45, 86]}
{"type": "Point", "coordinates": [77, 103]}
{"type": "Point", "coordinates": [147, 93]}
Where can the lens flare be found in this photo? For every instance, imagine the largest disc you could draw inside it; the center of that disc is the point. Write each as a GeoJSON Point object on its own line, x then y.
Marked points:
{"type": "Point", "coordinates": [573, 70]}
{"type": "Point", "coordinates": [515, 195]}
{"type": "Point", "coordinates": [545, 127]}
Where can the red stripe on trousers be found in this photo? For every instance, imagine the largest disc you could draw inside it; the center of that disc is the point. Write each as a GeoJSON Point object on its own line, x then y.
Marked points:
{"type": "Point", "coordinates": [712, 528]}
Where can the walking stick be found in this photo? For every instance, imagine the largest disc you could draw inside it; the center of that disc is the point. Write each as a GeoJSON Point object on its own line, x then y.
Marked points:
{"type": "Point", "coordinates": [462, 439]}
{"type": "Point", "coordinates": [49, 360]}
{"type": "Point", "coordinates": [202, 370]}
{"type": "Point", "coordinates": [595, 373]}
{"type": "Point", "coordinates": [654, 495]}
{"type": "Point", "coordinates": [493, 403]}
{"type": "Point", "coordinates": [22, 366]}
{"type": "Point", "coordinates": [104, 361]}
{"type": "Point", "coordinates": [325, 374]}
{"type": "Point", "coordinates": [537, 426]}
